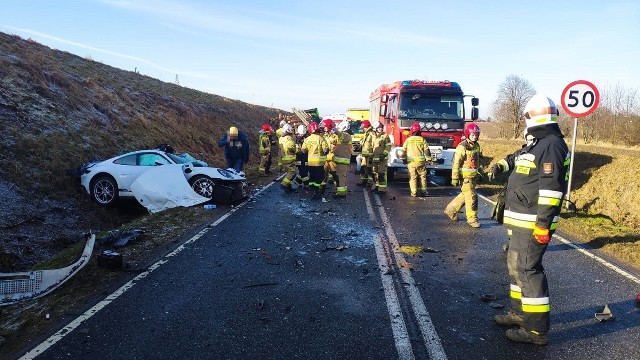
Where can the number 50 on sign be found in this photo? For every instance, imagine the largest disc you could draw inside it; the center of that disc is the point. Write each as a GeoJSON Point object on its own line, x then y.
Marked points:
{"type": "Point", "coordinates": [580, 98]}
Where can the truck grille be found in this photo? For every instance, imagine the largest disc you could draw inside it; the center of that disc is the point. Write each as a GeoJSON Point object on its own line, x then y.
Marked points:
{"type": "Point", "coordinates": [445, 142]}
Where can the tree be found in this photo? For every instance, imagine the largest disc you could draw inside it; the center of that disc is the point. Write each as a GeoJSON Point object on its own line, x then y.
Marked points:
{"type": "Point", "coordinates": [513, 94]}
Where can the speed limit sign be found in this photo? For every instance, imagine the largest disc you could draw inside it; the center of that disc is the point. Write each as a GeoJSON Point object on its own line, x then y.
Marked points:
{"type": "Point", "coordinates": [580, 98]}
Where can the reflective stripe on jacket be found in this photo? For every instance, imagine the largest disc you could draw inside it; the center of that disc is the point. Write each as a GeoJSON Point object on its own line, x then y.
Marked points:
{"type": "Point", "coordinates": [342, 149]}
{"type": "Point", "coordinates": [265, 143]}
{"type": "Point", "coordinates": [287, 149]}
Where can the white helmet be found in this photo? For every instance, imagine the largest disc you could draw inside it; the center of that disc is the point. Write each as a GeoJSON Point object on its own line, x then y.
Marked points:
{"type": "Point", "coordinates": [540, 110]}
{"type": "Point", "coordinates": [283, 123]}
{"type": "Point", "coordinates": [287, 129]}
{"type": "Point", "coordinates": [376, 125]}
{"type": "Point", "coordinates": [343, 126]}
{"type": "Point", "coordinates": [302, 130]}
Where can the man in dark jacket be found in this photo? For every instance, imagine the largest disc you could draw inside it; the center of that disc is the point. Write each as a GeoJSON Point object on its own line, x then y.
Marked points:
{"type": "Point", "coordinates": [535, 190]}
{"type": "Point", "coordinates": [236, 148]}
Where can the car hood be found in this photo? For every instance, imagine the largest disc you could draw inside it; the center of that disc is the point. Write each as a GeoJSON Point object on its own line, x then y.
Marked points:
{"type": "Point", "coordinates": [165, 187]}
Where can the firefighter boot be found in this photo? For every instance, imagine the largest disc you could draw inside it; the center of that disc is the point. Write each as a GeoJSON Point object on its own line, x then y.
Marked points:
{"type": "Point", "coordinates": [509, 319]}
{"type": "Point", "coordinates": [522, 335]}
{"type": "Point", "coordinates": [451, 214]}
{"type": "Point", "coordinates": [474, 224]}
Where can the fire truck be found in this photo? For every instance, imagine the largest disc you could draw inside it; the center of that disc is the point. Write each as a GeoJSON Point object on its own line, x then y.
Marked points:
{"type": "Point", "coordinates": [439, 108]}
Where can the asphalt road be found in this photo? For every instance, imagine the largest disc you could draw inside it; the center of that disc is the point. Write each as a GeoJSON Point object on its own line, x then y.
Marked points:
{"type": "Point", "coordinates": [369, 277]}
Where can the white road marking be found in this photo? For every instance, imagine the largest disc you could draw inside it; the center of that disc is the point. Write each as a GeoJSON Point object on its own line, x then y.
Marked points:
{"type": "Point", "coordinates": [42, 347]}
{"type": "Point", "coordinates": [398, 327]}
{"type": "Point", "coordinates": [428, 330]}
{"type": "Point", "coordinates": [586, 252]}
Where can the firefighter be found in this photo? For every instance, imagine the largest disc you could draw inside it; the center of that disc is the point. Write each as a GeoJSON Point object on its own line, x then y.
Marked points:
{"type": "Point", "coordinates": [466, 164]}
{"type": "Point", "coordinates": [418, 155]}
{"type": "Point", "coordinates": [279, 133]}
{"type": "Point", "coordinates": [316, 148]}
{"type": "Point", "coordinates": [380, 145]}
{"type": "Point", "coordinates": [535, 190]}
{"type": "Point", "coordinates": [330, 166]}
{"type": "Point", "coordinates": [288, 157]}
{"type": "Point", "coordinates": [366, 177]}
{"type": "Point", "coordinates": [342, 158]}
{"type": "Point", "coordinates": [302, 179]}
{"type": "Point", "coordinates": [265, 149]}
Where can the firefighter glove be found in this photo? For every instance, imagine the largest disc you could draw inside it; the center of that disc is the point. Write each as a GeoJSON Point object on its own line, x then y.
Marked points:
{"type": "Point", "coordinates": [541, 235]}
{"type": "Point", "coordinates": [455, 182]}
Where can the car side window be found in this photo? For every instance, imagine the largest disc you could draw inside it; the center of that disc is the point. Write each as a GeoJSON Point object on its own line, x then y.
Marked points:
{"type": "Point", "coordinates": [126, 160]}
{"type": "Point", "coordinates": [151, 160]}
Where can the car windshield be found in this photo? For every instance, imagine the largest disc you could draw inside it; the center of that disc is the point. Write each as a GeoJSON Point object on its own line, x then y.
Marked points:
{"type": "Point", "coordinates": [355, 126]}
{"type": "Point", "coordinates": [426, 106]}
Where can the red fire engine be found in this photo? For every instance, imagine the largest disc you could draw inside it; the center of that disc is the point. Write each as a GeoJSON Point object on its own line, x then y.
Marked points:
{"type": "Point", "coordinates": [438, 106]}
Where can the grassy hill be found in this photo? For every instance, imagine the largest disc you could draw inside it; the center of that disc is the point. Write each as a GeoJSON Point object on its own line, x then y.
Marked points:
{"type": "Point", "coordinates": [58, 110]}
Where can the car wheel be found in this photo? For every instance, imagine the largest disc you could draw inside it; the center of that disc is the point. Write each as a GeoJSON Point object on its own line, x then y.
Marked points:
{"type": "Point", "coordinates": [104, 190]}
{"type": "Point", "coordinates": [202, 185]}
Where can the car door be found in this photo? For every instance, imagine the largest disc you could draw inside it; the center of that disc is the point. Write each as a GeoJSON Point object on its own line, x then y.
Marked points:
{"type": "Point", "coordinates": [133, 165]}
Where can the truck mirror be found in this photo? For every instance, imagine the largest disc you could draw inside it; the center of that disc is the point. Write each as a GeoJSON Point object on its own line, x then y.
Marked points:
{"type": "Point", "coordinates": [383, 110]}
{"type": "Point", "coordinates": [384, 98]}
{"type": "Point", "coordinates": [475, 101]}
{"type": "Point", "coordinates": [475, 113]}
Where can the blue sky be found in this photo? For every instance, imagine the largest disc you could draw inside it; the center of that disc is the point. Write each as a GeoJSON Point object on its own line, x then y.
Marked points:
{"type": "Point", "coordinates": [333, 54]}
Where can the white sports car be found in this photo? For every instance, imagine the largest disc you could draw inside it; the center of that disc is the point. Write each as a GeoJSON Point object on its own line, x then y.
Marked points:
{"type": "Point", "coordinates": [108, 180]}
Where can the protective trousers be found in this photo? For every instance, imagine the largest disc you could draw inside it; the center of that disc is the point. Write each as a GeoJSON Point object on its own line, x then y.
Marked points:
{"type": "Point", "coordinates": [316, 178]}
{"type": "Point", "coordinates": [366, 171]}
{"type": "Point", "coordinates": [529, 291]}
{"type": "Point", "coordinates": [417, 173]}
{"type": "Point", "coordinates": [265, 163]}
{"type": "Point", "coordinates": [329, 170]}
{"type": "Point", "coordinates": [467, 198]}
{"type": "Point", "coordinates": [379, 170]}
{"type": "Point", "coordinates": [290, 174]}
{"type": "Point", "coordinates": [342, 179]}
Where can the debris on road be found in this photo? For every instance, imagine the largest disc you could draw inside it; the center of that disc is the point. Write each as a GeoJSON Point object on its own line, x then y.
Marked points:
{"type": "Point", "coordinates": [120, 238]}
{"type": "Point", "coordinates": [605, 314]}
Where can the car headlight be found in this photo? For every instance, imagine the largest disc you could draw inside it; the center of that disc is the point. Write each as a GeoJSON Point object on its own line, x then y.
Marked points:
{"type": "Point", "coordinates": [445, 126]}
{"type": "Point", "coordinates": [436, 126]}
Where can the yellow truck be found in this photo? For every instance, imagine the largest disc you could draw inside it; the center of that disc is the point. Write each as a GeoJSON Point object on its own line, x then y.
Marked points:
{"type": "Point", "coordinates": [356, 116]}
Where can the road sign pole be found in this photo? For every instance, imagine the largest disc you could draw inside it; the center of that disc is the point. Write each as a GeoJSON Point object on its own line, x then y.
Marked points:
{"type": "Point", "coordinates": [573, 159]}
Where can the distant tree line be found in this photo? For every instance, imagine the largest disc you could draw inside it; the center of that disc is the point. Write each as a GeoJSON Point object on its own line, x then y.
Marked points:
{"type": "Point", "coordinates": [616, 120]}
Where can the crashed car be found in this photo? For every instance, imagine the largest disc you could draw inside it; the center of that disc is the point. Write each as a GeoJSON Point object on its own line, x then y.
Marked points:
{"type": "Point", "coordinates": [121, 177]}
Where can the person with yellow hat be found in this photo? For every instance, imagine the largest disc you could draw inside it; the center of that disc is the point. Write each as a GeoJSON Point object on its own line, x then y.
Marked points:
{"type": "Point", "coordinates": [236, 148]}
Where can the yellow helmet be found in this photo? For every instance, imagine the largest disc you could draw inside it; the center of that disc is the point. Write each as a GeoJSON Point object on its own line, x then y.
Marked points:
{"type": "Point", "coordinates": [233, 131]}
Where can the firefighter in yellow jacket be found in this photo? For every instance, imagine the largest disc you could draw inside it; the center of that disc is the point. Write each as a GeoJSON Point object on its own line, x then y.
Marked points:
{"type": "Point", "coordinates": [288, 157]}
{"type": "Point", "coordinates": [380, 145]}
{"type": "Point", "coordinates": [466, 164]}
{"type": "Point", "coordinates": [533, 201]}
{"type": "Point", "coordinates": [330, 165]}
{"type": "Point", "coordinates": [366, 176]}
{"type": "Point", "coordinates": [265, 149]}
{"type": "Point", "coordinates": [342, 157]}
{"type": "Point", "coordinates": [418, 155]}
{"type": "Point", "coordinates": [317, 149]}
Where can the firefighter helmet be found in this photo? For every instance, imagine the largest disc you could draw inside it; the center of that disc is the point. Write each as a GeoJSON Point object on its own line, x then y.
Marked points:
{"type": "Point", "coordinates": [302, 129]}
{"type": "Point", "coordinates": [266, 127]}
{"type": "Point", "coordinates": [327, 124]}
{"type": "Point", "coordinates": [343, 126]}
{"type": "Point", "coordinates": [283, 123]}
{"type": "Point", "coordinates": [472, 128]}
{"type": "Point", "coordinates": [540, 110]}
{"type": "Point", "coordinates": [313, 127]}
{"type": "Point", "coordinates": [365, 124]}
{"type": "Point", "coordinates": [415, 128]}
{"type": "Point", "coordinates": [233, 131]}
{"type": "Point", "coordinates": [377, 125]}
{"type": "Point", "coordinates": [287, 129]}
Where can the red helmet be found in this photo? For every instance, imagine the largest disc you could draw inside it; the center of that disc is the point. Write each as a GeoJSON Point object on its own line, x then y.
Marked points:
{"type": "Point", "coordinates": [266, 127]}
{"type": "Point", "coordinates": [313, 127]}
{"type": "Point", "coordinates": [327, 124]}
{"type": "Point", "coordinates": [366, 124]}
{"type": "Point", "coordinates": [472, 128]}
{"type": "Point", "coordinates": [415, 128]}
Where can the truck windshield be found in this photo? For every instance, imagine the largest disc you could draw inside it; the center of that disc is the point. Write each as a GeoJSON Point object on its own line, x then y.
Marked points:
{"type": "Point", "coordinates": [432, 107]}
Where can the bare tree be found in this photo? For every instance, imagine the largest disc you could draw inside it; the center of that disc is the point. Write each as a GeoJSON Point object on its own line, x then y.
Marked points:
{"type": "Point", "coordinates": [513, 94]}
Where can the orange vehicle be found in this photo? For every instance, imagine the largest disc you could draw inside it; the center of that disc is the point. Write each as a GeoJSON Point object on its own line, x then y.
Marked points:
{"type": "Point", "coordinates": [439, 108]}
